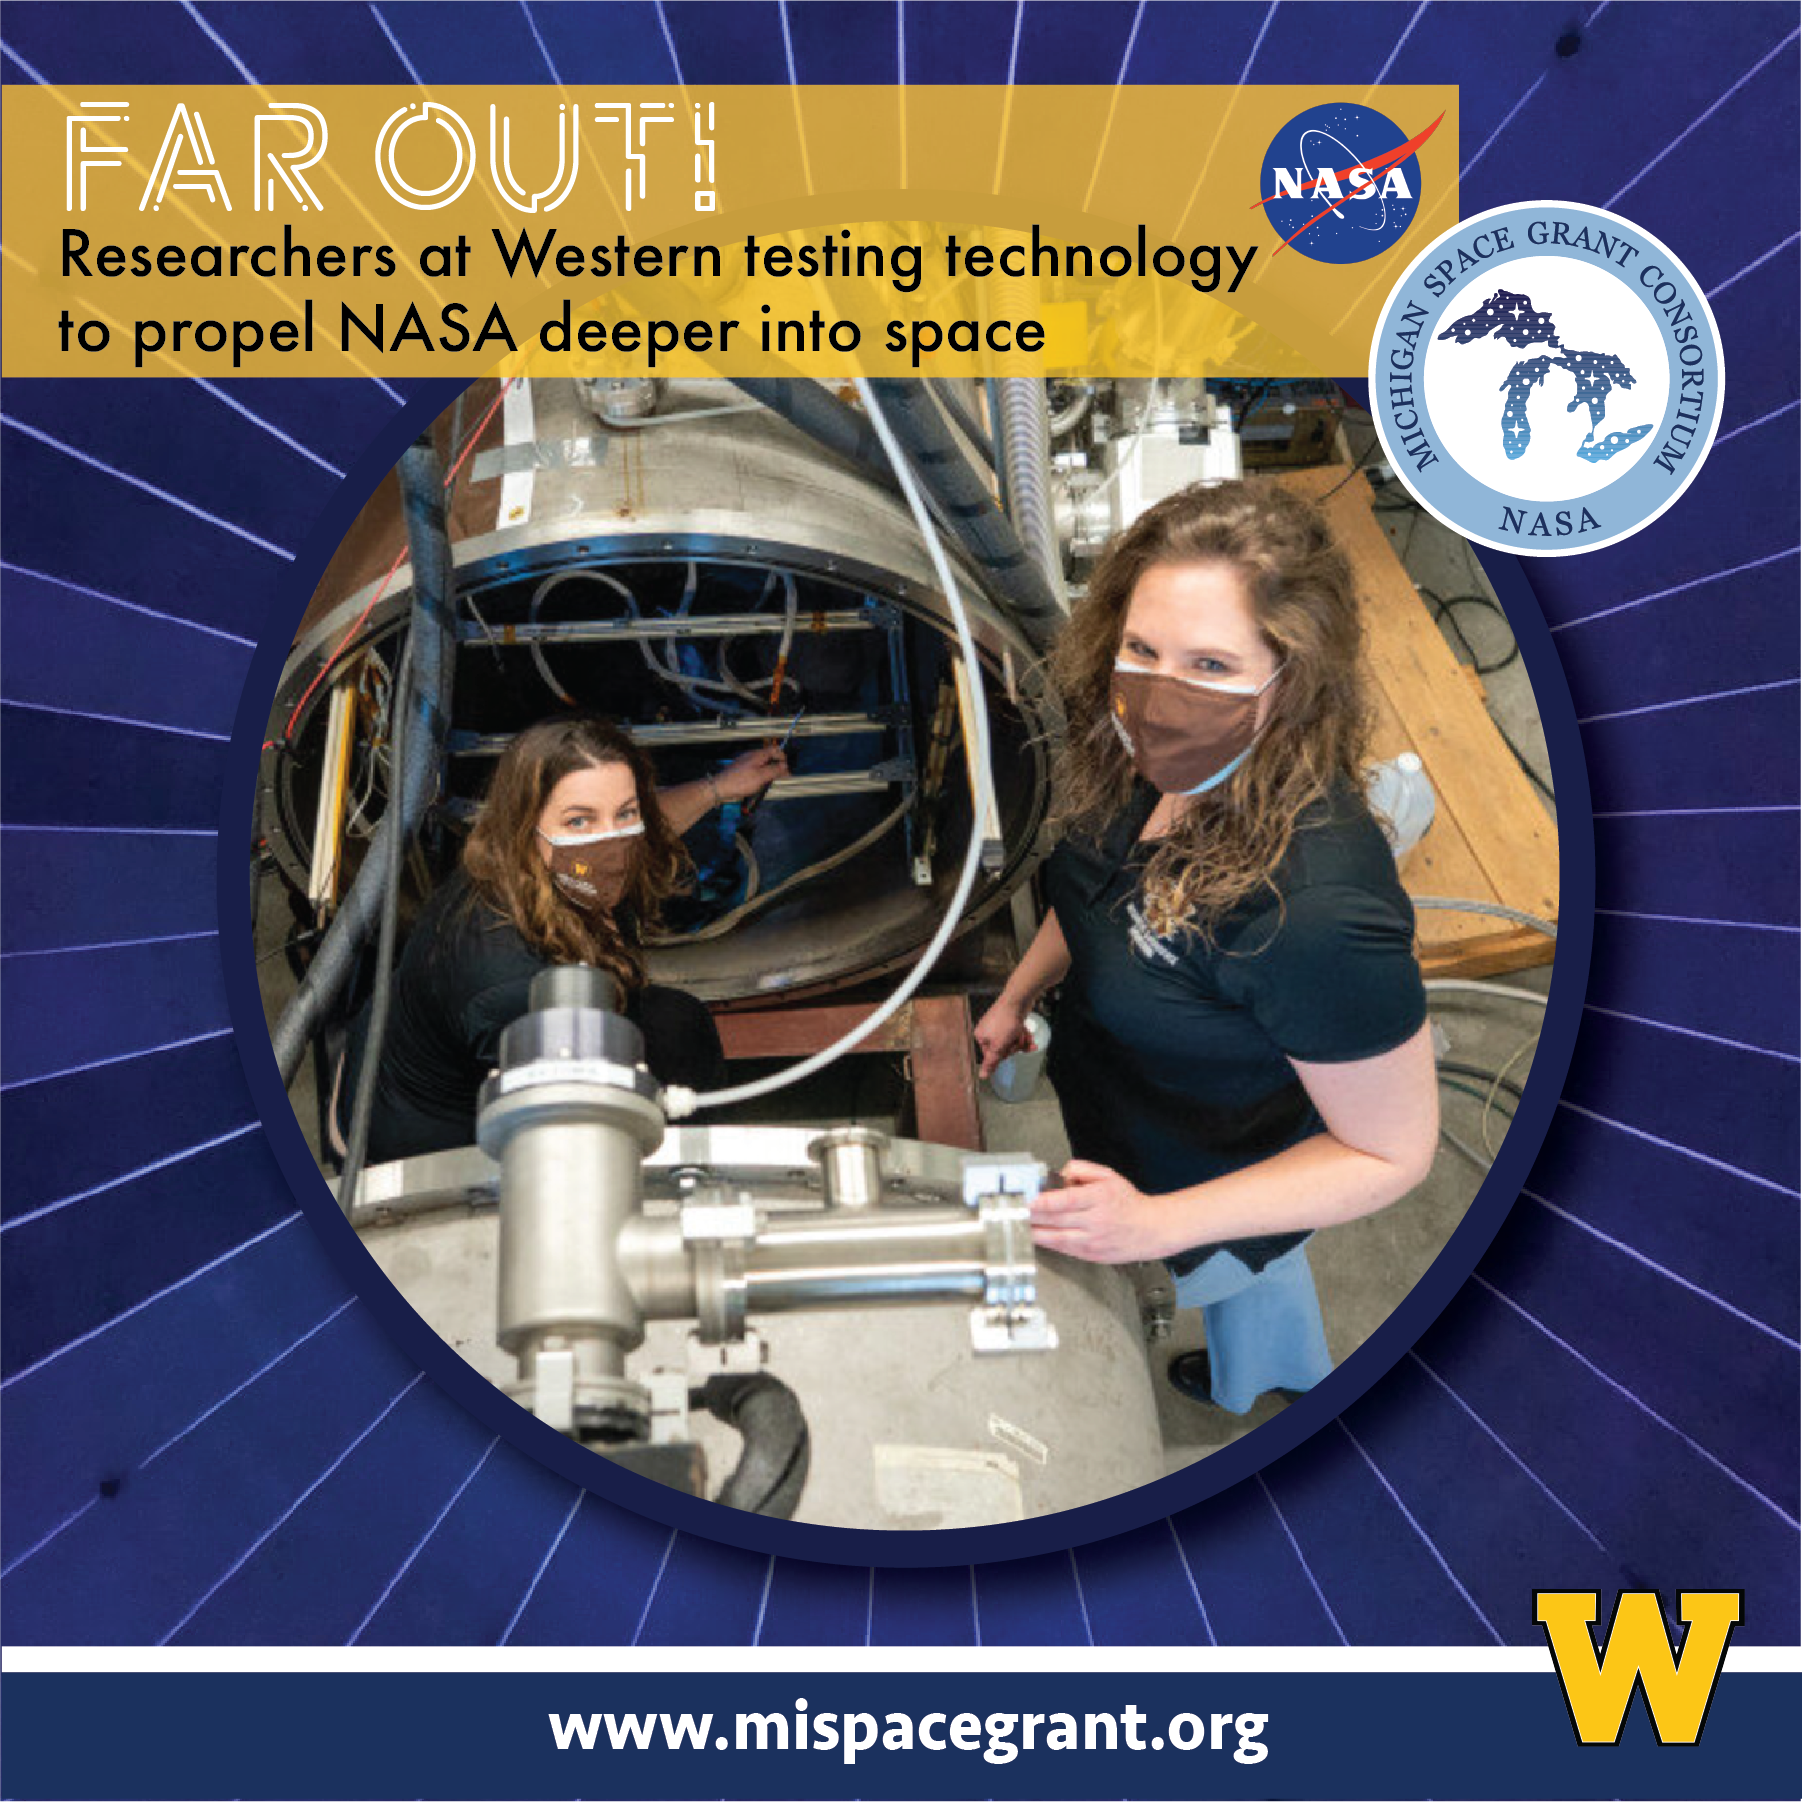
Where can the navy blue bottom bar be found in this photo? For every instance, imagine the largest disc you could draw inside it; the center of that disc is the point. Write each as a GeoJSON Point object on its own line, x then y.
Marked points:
{"type": "Point", "coordinates": [1175, 1734]}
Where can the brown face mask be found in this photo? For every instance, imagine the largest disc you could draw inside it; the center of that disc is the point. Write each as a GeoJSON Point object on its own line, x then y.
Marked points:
{"type": "Point", "coordinates": [1184, 736]}
{"type": "Point", "coordinates": [593, 868]}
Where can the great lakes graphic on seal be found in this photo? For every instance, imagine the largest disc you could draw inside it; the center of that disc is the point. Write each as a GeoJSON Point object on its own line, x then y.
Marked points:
{"type": "Point", "coordinates": [1546, 378]}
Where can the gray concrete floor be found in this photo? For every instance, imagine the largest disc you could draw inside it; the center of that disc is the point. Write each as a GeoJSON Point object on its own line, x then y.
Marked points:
{"type": "Point", "coordinates": [1363, 1270]}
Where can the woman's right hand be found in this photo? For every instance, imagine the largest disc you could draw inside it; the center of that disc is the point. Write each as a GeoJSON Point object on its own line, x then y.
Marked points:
{"type": "Point", "coordinates": [1001, 1032]}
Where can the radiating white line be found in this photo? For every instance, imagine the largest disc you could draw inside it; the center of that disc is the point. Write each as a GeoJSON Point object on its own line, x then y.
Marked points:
{"type": "Point", "coordinates": [1645, 1408]}
{"type": "Point", "coordinates": [1257, 43]}
{"type": "Point", "coordinates": [869, 1609]}
{"type": "Point", "coordinates": [1768, 56]}
{"type": "Point", "coordinates": [56, 1532]}
{"type": "Point", "coordinates": [1013, 54]}
{"type": "Point", "coordinates": [23, 64]}
{"type": "Point", "coordinates": [1660, 594]}
{"type": "Point", "coordinates": [1132, 38]}
{"type": "Point", "coordinates": [150, 488]}
{"type": "Point", "coordinates": [263, 425]}
{"type": "Point", "coordinates": [1595, 14]}
{"type": "Point", "coordinates": [53, 1534]}
{"type": "Point", "coordinates": [1082, 1601]}
{"type": "Point", "coordinates": [975, 1609]}
{"type": "Point", "coordinates": [1510, 1453]}
{"type": "Point", "coordinates": [1762, 419]}
{"type": "Point", "coordinates": [1201, 1607]}
{"type": "Point", "coordinates": [231, 56]}
{"type": "Point", "coordinates": [1306, 1568]}
{"type": "Point", "coordinates": [130, 1176]}
{"type": "Point", "coordinates": [1683, 813]}
{"type": "Point", "coordinates": [1420, 1532]}
{"type": "Point", "coordinates": [1688, 1151]}
{"type": "Point", "coordinates": [193, 1276]}
{"type": "Point", "coordinates": [1682, 1282]}
{"type": "Point", "coordinates": [675, 60]}
{"type": "Point", "coordinates": [788, 46]}
{"type": "Point", "coordinates": [532, 25]}
{"type": "Point", "coordinates": [1407, 32]}
{"type": "Point", "coordinates": [255, 1376]}
{"type": "Point", "coordinates": [113, 600]}
{"type": "Point", "coordinates": [1757, 262]}
{"type": "Point", "coordinates": [1692, 1032]}
{"type": "Point", "coordinates": [1507, 120]}
{"type": "Point", "coordinates": [1719, 694]}
{"type": "Point", "coordinates": [120, 1057]}
{"type": "Point", "coordinates": [544, 1564]}
{"type": "Point", "coordinates": [644, 1614]}
{"type": "Point", "coordinates": [424, 1540]}
{"type": "Point", "coordinates": [164, 938]}
{"type": "Point", "coordinates": [406, 62]}
{"type": "Point", "coordinates": [294, 1507]}
{"type": "Point", "coordinates": [763, 1600]}
{"type": "Point", "coordinates": [1627, 913]}
{"type": "Point", "coordinates": [114, 719]}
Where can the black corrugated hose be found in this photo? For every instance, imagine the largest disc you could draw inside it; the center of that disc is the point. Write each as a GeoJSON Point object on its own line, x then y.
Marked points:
{"type": "Point", "coordinates": [772, 1468]}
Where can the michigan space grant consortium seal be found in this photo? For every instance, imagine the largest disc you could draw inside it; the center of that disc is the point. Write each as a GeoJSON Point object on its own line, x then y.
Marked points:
{"type": "Point", "coordinates": [1546, 378]}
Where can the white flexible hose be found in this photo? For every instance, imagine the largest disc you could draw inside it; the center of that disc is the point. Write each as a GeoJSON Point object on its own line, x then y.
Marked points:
{"type": "Point", "coordinates": [679, 1103]}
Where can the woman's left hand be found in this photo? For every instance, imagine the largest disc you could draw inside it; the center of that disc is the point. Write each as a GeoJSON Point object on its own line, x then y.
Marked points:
{"type": "Point", "coordinates": [1100, 1217]}
{"type": "Point", "coordinates": [751, 774]}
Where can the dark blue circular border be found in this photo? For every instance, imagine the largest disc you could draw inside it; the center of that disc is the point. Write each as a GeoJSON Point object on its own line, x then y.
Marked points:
{"type": "Point", "coordinates": [875, 1546]}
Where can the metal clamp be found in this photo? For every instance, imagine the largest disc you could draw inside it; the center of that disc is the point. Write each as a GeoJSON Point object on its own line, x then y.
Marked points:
{"type": "Point", "coordinates": [1009, 1317]}
{"type": "Point", "coordinates": [719, 1235]}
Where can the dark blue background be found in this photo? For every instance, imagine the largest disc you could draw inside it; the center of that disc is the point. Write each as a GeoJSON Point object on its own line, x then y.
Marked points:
{"type": "Point", "coordinates": [488, 1737]}
{"type": "Point", "coordinates": [207, 1438]}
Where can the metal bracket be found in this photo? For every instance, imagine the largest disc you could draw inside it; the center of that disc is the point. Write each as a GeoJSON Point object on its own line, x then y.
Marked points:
{"type": "Point", "coordinates": [1001, 1175]}
{"type": "Point", "coordinates": [1011, 1330]}
{"type": "Point", "coordinates": [739, 1357]}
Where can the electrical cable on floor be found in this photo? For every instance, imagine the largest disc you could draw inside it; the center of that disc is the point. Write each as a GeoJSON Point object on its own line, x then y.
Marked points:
{"type": "Point", "coordinates": [680, 1102]}
{"type": "Point", "coordinates": [1495, 1087]}
{"type": "Point", "coordinates": [1468, 985]}
{"type": "Point", "coordinates": [1464, 1088]}
{"type": "Point", "coordinates": [1477, 1073]}
{"type": "Point", "coordinates": [1463, 1150]}
{"type": "Point", "coordinates": [1457, 904]}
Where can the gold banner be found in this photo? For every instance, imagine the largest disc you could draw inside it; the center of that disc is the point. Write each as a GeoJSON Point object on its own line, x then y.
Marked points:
{"type": "Point", "coordinates": [343, 231]}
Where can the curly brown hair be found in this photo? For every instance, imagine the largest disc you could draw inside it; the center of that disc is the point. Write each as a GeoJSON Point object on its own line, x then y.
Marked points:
{"type": "Point", "coordinates": [1221, 850]}
{"type": "Point", "coordinates": [507, 871]}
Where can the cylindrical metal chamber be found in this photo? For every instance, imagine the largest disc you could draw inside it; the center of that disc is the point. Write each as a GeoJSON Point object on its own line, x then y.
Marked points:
{"type": "Point", "coordinates": [712, 579]}
{"type": "Point", "coordinates": [910, 1427]}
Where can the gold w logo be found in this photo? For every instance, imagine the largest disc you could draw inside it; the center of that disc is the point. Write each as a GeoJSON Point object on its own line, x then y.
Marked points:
{"type": "Point", "coordinates": [1638, 1651]}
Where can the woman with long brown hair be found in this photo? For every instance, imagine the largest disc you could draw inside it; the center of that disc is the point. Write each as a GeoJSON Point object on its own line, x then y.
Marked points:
{"type": "Point", "coordinates": [570, 860]}
{"type": "Point", "coordinates": [1241, 1049]}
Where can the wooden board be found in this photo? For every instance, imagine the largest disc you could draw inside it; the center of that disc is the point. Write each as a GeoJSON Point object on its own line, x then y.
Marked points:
{"type": "Point", "coordinates": [1491, 838]}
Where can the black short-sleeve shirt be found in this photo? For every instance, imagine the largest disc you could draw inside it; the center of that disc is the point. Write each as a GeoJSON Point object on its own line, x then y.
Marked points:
{"type": "Point", "coordinates": [1171, 1056]}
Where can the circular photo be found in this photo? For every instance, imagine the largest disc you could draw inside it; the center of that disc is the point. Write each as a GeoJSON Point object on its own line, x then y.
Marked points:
{"type": "Point", "coordinates": [906, 956]}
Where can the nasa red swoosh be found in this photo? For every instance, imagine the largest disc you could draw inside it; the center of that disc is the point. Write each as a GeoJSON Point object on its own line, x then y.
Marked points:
{"type": "Point", "coordinates": [1397, 155]}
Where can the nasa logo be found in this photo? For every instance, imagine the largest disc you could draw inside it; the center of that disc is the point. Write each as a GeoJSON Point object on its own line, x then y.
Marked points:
{"type": "Point", "coordinates": [1341, 183]}
{"type": "Point", "coordinates": [1546, 378]}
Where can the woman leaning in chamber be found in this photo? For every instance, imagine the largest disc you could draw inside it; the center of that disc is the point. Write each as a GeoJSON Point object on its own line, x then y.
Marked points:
{"type": "Point", "coordinates": [569, 861]}
{"type": "Point", "coordinates": [1241, 1053]}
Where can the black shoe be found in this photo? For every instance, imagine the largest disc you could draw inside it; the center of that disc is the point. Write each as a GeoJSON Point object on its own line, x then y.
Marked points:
{"type": "Point", "coordinates": [1191, 1375]}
